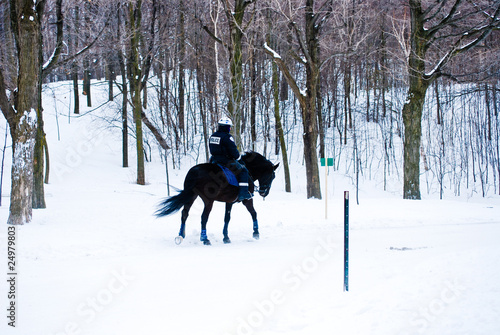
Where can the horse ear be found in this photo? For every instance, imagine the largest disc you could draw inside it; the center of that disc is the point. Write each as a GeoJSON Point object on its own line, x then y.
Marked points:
{"type": "Point", "coordinates": [276, 166]}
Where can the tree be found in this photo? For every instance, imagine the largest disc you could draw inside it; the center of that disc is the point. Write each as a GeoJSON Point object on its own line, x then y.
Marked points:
{"type": "Point", "coordinates": [41, 151]}
{"type": "Point", "coordinates": [135, 77]}
{"type": "Point", "coordinates": [182, 55]}
{"type": "Point", "coordinates": [124, 88]}
{"type": "Point", "coordinates": [439, 31]}
{"type": "Point", "coordinates": [53, 61]}
{"type": "Point", "coordinates": [20, 108]}
{"type": "Point", "coordinates": [277, 117]}
{"type": "Point", "coordinates": [308, 42]}
{"type": "Point", "coordinates": [235, 15]}
{"type": "Point", "coordinates": [138, 76]}
{"type": "Point", "coordinates": [235, 19]}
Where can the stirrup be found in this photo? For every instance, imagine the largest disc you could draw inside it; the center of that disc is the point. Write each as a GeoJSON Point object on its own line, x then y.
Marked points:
{"type": "Point", "coordinates": [244, 196]}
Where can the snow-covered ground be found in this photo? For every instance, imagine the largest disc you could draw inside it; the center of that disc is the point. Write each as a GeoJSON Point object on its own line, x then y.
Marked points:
{"type": "Point", "coordinates": [97, 261]}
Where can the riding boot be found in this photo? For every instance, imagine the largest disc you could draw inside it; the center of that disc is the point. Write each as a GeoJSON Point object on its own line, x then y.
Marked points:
{"type": "Point", "coordinates": [244, 194]}
{"type": "Point", "coordinates": [241, 174]}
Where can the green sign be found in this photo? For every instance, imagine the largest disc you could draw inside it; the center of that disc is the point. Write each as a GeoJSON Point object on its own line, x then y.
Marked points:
{"type": "Point", "coordinates": [327, 161]}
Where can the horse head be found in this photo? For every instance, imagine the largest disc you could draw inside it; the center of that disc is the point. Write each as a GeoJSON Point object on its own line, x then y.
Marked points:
{"type": "Point", "coordinates": [260, 169]}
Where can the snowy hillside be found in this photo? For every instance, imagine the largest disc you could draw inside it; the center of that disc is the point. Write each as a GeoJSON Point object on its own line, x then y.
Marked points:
{"type": "Point", "coordinates": [97, 261]}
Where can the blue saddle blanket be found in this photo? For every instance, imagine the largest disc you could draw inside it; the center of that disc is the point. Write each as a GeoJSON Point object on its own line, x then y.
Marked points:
{"type": "Point", "coordinates": [231, 178]}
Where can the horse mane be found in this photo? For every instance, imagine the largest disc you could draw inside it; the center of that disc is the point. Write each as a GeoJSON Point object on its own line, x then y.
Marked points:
{"type": "Point", "coordinates": [256, 160]}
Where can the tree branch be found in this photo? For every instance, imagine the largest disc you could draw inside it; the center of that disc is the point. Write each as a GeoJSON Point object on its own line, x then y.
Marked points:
{"type": "Point", "coordinates": [59, 41]}
{"type": "Point", "coordinates": [148, 61]}
{"type": "Point", "coordinates": [209, 32]}
{"type": "Point", "coordinates": [6, 107]}
{"type": "Point", "coordinates": [79, 53]}
{"type": "Point", "coordinates": [431, 8]}
{"type": "Point", "coordinates": [457, 49]}
{"type": "Point", "coordinates": [155, 131]}
{"type": "Point", "coordinates": [301, 42]}
{"type": "Point", "coordinates": [204, 27]}
{"type": "Point", "coordinates": [286, 72]}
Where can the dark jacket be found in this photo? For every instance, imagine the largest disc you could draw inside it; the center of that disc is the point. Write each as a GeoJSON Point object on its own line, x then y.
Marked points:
{"type": "Point", "coordinates": [222, 147]}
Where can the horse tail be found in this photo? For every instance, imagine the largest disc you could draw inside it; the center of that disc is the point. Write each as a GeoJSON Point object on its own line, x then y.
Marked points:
{"type": "Point", "coordinates": [174, 203]}
{"type": "Point", "coordinates": [186, 196]}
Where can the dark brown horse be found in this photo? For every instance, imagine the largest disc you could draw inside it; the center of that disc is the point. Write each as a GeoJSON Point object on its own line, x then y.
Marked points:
{"type": "Point", "coordinates": [209, 182]}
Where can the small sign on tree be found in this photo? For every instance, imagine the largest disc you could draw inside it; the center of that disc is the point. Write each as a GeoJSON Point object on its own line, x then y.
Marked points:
{"type": "Point", "coordinates": [326, 161]}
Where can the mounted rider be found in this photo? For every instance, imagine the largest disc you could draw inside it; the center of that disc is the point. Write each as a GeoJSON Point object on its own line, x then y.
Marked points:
{"type": "Point", "coordinates": [224, 152]}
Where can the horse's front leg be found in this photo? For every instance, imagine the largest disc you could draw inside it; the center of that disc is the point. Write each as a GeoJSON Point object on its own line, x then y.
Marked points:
{"type": "Point", "coordinates": [249, 205]}
{"type": "Point", "coordinates": [204, 220]}
{"type": "Point", "coordinates": [227, 217]}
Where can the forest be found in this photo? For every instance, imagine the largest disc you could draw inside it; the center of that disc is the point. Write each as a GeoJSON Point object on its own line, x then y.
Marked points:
{"type": "Point", "coordinates": [393, 87]}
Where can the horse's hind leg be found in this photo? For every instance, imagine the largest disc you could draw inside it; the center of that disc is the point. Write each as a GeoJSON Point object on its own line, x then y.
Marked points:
{"type": "Point", "coordinates": [227, 217]}
{"type": "Point", "coordinates": [249, 205]}
{"type": "Point", "coordinates": [184, 216]}
{"type": "Point", "coordinates": [204, 220]}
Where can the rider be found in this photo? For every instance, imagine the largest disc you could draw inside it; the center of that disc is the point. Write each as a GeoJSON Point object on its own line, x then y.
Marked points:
{"type": "Point", "coordinates": [224, 152]}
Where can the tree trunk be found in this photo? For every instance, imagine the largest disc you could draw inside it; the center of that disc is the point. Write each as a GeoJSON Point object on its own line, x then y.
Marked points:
{"type": "Point", "coordinates": [279, 127]}
{"type": "Point", "coordinates": [123, 71]}
{"type": "Point", "coordinates": [135, 86]}
{"type": "Point", "coordinates": [236, 65]}
{"type": "Point", "coordinates": [182, 56]}
{"type": "Point", "coordinates": [74, 64]}
{"type": "Point", "coordinates": [310, 113]}
{"type": "Point", "coordinates": [412, 120]}
{"type": "Point", "coordinates": [412, 109]}
{"type": "Point", "coordinates": [124, 111]}
{"type": "Point", "coordinates": [203, 113]}
{"type": "Point", "coordinates": [311, 158]}
{"type": "Point", "coordinates": [307, 100]}
{"type": "Point", "coordinates": [347, 98]}
{"type": "Point", "coordinates": [86, 82]}
{"type": "Point", "coordinates": [23, 137]}
{"type": "Point", "coordinates": [38, 200]}
{"type": "Point", "coordinates": [22, 120]}
{"type": "Point", "coordinates": [253, 99]}
{"type": "Point", "coordinates": [111, 78]}
{"type": "Point", "coordinates": [76, 95]}
{"type": "Point", "coordinates": [38, 196]}
{"type": "Point", "coordinates": [40, 150]}
{"type": "Point", "coordinates": [86, 64]}
{"type": "Point", "coordinates": [321, 125]}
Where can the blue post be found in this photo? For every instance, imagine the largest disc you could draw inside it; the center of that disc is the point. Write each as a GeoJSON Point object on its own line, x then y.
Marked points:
{"type": "Point", "coordinates": [346, 241]}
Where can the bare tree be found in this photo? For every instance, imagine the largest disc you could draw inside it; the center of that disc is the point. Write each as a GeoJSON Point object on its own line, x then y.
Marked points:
{"type": "Point", "coordinates": [277, 117]}
{"type": "Point", "coordinates": [307, 36]}
{"type": "Point", "coordinates": [235, 14]}
{"type": "Point", "coordinates": [41, 146]}
{"type": "Point", "coordinates": [20, 108]}
{"type": "Point", "coordinates": [439, 31]}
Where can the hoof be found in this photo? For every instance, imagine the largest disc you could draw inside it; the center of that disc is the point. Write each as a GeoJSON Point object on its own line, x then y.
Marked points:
{"type": "Point", "coordinates": [256, 235]}
{"type": "Point", "coordinates": [206, 242]}
{"type": "Point", "coordinates": [179, 239]}
{"type": "Point", "coordinates": [226, 240]}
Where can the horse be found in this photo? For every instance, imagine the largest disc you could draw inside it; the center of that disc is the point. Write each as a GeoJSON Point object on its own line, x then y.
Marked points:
{"type": "Point", "coordinates": [209, 182]}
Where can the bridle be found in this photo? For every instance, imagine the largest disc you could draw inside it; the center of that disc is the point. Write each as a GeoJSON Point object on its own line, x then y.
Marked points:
{"type": "Point", "coordinates": [262, 188]}
{"type": "Point", "coordinates": [265, 188]}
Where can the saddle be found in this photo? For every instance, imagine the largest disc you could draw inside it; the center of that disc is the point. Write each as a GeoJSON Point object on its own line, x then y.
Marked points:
{"type": "Point", "coordinates": [231, 178]}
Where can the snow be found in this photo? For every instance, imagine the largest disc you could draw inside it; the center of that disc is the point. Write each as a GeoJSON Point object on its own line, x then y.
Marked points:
{"type": "Point", "coordinates": [24, 149]}
{"type": "Point", "coordinates": [446, 57]}
{"type": "Point", "coordinates": [49, 60]}
{"type": "Point", "coordinates": [274, 53]}
{"type": "Point", "coordinates": [96, 261]}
